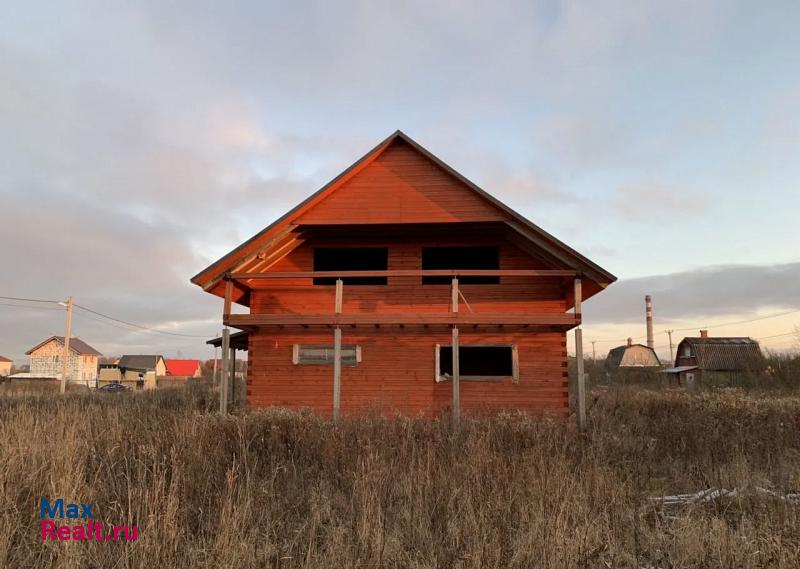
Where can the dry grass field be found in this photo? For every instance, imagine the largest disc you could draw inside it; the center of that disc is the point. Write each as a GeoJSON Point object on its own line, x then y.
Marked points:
{"type": "Point", "coordinates": [278, 489]}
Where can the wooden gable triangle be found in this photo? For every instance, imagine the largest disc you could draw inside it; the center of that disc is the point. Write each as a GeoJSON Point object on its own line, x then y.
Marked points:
{"type": "Point", "coordinates": [401, 184]}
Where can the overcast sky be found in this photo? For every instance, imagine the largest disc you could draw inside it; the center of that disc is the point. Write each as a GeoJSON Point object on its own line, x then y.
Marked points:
{"type": "Point", "coordinates": [140, 141]}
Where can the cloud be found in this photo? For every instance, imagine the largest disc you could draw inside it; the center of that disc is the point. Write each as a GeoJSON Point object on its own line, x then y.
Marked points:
{"type": "Point", "coordinates": [700, 294]}
{"type": "Point", "coordinates": [646, 204]}
{"type": "Point", "coordinates": [142, 140]}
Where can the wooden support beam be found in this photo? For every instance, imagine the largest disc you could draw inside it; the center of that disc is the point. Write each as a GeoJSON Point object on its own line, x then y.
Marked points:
{"type": "Point", "coordinates": [454, 295]}
{"type": "Point", "coordinates": [232, 382]}
{"type": "Point", "coordinates": [339, 292]}
{"type": "Point", "coordinates": [558, 320]}
{"type": "Point", "coordinates": [239, 276]}
{"type": "Point", "coordinates": [337, 371]}
{"type": "Point", "coordinates": [581, 391]}
{"type": "Point", "coordinates": [456, 377]}
{"type": "Point", "coordinates": [223, 388]}
{"type": "Point", "coordinates": [226, 309]}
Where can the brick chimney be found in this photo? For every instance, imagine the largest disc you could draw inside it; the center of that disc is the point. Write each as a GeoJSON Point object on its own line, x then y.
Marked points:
{"type": "Point", "coordinates": [630, 341]}
{"type": "Point", "coordinates": [704, 333]}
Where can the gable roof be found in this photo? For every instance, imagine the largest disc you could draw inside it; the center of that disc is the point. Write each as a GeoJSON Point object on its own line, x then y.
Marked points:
{"type": "Point", "coordinates": [5, 360]}
{"type": "Point", "coordinates": [75, 345]}
{"type": "Point", "coordinates": [277, 235]}
{"type": "Point", "coordinates": [142, 362]}
{"type": "Point", "coordinates": [616, 355]}
{"type": "Point", "coordinates": [181, 367]}
{"type": "Point", "coordinates": [724, 353]}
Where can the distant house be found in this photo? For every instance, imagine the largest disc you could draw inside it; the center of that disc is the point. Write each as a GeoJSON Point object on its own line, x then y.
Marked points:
{"type": "Point", "coordinates": [714, 359]}
{"type": "Point", "coordinates": [182, 368]}
{"type": "Point", "coordinates": [46, 360]}
{"type": "Point", "coordinates": [5, 366]}
{"type": "Point", "coordinates": [140, 371]}
{"type": "Point", "coordinates": [632, 356]}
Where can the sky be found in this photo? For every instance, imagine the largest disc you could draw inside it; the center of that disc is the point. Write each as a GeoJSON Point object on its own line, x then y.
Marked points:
{"type": "Point", "coordinates": [140, 141]}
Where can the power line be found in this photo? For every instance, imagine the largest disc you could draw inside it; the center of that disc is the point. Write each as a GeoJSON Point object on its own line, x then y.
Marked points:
{"type": "Point", "coordinates": [30, 307]}
{"type": "Point", "coordinates": [742, 321]}
{"type": "Point", "coordinates": [139, 326]}
{"type": "Point", "coordinates": [30, 299]}
{"type": "Point", "coordinates": [717, 325]}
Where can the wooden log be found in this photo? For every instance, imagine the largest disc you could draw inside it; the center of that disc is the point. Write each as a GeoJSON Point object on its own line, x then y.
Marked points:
{"type": "Point", "coordinates": [337, 371]}
{"type": "Point", "coordinates": [456, 377]}
{"type": "Point", "coordinates": [232, 382]}
{"type": "Point", "coordinates": [223, 388]}
{"type": "Point", "coordinates": [226, 310]}
{"type": "Point", "coordinates": [554, 319]}
{"type": "Point", "coordinates": [581, 391]}
{"type": "Point", "coordinates": [339, 293]}
{"type": "Point", "coordinates": [407, 273]}
{"type": "Point", "coordinates": [454, 295]}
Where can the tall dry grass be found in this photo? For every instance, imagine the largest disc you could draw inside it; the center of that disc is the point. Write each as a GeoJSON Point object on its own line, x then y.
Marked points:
{"type": "Point", "coordinates": [279, 489]}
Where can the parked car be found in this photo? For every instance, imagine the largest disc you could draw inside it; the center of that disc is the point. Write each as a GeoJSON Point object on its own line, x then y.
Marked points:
{"type": "Point", "coordinates": [114, 388]}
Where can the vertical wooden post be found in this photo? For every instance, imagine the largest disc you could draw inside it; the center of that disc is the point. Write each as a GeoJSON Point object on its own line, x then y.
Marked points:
{"type": "Point", "coordinates": [581, 394]}
{"type": "Point", "coordinates": [456, 377]}
{"type": "Point", "coordinates": [232, 384]}
{"type": "Point", "coordinates": [455, 344]}
{"type": "Point", "coordinates": [339, 291]}
{"type": "Point", "coordinates": [226, 310]}
{"type": "Point", "coordinates": [223, 387]}
{"type": "Point", "coordinates": [337, 370]}
{"type": "Point", "coordinates": [214, 377]}
{"type": "Point", "coordinates": [65, 356]}
{"type": "Point", "coordinates": [337, 353]}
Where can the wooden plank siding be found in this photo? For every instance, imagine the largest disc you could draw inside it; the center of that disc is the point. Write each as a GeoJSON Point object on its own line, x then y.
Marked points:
{"type": "Point", "coordinates": [407, 294]}
{"type": "Point", "coordinates": [396, 373]}
{"type": "Point", "coordinates": [421, 192]}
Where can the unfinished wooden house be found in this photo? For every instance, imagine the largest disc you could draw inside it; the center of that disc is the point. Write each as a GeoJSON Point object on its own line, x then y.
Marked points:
{"type": "Point", "coordinates": [359, 294]}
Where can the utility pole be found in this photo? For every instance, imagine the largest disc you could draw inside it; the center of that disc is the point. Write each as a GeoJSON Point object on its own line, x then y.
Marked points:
{"type": "Point", "coordinates": [65, 356]}
{"type": "Point", "coordinates": [671, 357]}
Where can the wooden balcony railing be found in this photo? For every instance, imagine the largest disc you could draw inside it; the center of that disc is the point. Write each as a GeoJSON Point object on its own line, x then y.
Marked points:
{"type": "Point", "coordinates": [451, 317]}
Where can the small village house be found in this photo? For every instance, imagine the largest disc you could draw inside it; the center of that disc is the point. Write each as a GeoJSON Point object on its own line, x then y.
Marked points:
{"type": "Point", "coordinates": [404, 287]}
{"type": "Point", "coordinates": [136, 371]}
{"type": "Point", "coordinates": [5, 366]}
{"type": "Point", "coordinates": [716, 360]}
{"type": "Point", "coordinates": [47, 357]}
{"type": "Point", "coordinates": [632, 356]}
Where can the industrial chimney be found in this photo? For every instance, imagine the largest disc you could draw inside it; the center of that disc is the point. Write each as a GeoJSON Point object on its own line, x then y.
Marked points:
{"type": "Point", "coordinates": [648, 306]}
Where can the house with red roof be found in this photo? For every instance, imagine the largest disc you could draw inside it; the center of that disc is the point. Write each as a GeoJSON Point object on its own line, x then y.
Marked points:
{"type": "Point", "coordinates": [183, 368]}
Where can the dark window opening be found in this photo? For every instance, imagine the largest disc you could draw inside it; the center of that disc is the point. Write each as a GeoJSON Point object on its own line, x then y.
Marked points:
{"type": "Point", "coordinates": [477, 361]}
{"type": "Point", "coordinates": [455, 258]}
{"type": "Point", "coordinates": [351, 259]}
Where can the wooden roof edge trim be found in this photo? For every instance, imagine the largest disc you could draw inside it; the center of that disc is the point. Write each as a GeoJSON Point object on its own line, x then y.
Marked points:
{"type": "Point", "coordinates": [590, 269]}
{"type": "Point", "coordinates": [202, 278]}
{"type": "Point", "coordinates": [497, 203]}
